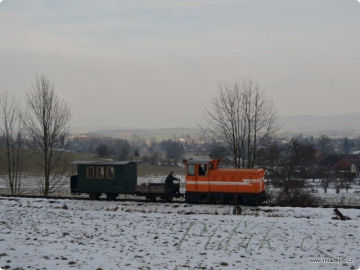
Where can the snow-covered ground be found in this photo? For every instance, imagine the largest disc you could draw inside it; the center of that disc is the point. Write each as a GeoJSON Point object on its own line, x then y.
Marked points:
{"type": "Point", "coordinates": [64, 234]}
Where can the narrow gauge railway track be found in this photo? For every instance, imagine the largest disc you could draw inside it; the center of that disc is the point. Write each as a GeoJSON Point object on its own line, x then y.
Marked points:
{"type": "Point", "coordinates": [16, 197]}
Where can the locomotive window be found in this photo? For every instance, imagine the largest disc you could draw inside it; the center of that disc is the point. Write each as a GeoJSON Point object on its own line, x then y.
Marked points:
{"type": "Point", "coordinates": [110, 172]}
{"type": "Point", "coordinates": [90, 172]}
{"type": "Point", "coordinates": [191, 170]}
{"type": "Point", "coordinates": [99, 172]}
{"type": "Point", "coordinates": [203, 169]}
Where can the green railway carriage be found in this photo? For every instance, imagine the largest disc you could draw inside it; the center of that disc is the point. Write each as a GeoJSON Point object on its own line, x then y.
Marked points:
{"type": "Point", "coordinates": [97, 178]}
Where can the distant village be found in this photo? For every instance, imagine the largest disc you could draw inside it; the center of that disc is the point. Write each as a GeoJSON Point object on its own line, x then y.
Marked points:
{"type": "Point", "coordinates": [284, 158]}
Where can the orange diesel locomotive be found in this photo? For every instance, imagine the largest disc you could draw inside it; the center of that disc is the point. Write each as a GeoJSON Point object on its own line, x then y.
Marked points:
{"type": "Point", "coordinates": [205, 182]}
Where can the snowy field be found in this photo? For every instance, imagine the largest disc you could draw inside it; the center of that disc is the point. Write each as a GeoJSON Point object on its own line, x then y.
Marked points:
{"type": "Point", "coordinates": [69, 234]}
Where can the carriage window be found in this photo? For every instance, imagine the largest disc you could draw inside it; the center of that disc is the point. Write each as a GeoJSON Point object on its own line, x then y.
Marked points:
{"type": "Point", "coordinates": [90, 172]}
{"type": "Point", "coordinates": [203, 169]}
{"type": "Point", "coordinates": [191, 170]}
{"type": "Point", "coordinates": [99, 172]}
{"type": "Point", "coordinates": [110, 173]}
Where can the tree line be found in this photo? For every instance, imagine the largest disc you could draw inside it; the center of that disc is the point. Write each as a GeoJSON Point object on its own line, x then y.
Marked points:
{"type": "Point", "coordinates": [121, 149]}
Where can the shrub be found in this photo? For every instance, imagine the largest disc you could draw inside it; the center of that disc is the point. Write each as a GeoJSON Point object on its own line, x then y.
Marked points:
{"type": "Point", "coordinates": [297, 197]}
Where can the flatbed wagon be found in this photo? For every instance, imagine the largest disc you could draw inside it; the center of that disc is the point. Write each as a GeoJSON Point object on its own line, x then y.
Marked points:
{"type": "Point", "coordinates": [152, 191]}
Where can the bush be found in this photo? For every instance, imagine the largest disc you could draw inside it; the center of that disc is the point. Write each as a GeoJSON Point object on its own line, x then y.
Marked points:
{"type": "Point", "coordinates": [296, 197]}
{"type": "Point", "coordinates": [287, 184]}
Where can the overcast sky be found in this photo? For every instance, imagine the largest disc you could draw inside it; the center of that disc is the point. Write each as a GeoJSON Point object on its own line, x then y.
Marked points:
{"type": "Point", "coordinates": [158, 63]}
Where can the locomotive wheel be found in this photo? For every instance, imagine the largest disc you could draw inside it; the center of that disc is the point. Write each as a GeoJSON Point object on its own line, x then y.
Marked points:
{"type": "Point", "coordinates": [192, 197]}
{"type": "Point", "coordinates": [94, 195]}
{"type": "Point", "coordinates": [236, 200]}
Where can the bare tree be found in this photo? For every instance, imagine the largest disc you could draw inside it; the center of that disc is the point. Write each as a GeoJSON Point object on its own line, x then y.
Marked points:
{"type": "Point", "coordinates": [325, 145]}
{"type": "Point", "coordinates": [325, 184]}
{"type": "Point", "coordinates": [241, 114]}
{"type": "Point", "coordinates": [47, 123]}
{"type": "Point", "coordinates": [11, 134]}
{"type": "Point", "coordinates": [103, 150]}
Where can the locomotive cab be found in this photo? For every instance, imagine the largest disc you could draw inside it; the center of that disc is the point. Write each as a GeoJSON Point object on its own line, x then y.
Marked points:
{"type": "Point", "coordinates": [200, 168]}
{"type": "Point", "coordinates": [206, 182]}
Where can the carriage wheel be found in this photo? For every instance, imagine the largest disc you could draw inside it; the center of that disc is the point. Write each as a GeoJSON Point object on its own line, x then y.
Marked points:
{"type": "Point", "coordinates": [94, 195]}
{"type": "Point", "coordinates": [111, 196]}
{"type": "Point", "coordinates": [150, 198]}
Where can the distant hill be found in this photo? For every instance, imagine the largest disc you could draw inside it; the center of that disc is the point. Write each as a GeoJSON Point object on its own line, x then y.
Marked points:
{"type": "Point", "coordinates": [331, 125]}
{"type": "Point", "coordinates": [157, 133]}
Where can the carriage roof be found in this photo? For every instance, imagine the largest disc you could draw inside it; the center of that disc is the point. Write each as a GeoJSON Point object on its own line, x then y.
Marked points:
{"type": "Point", "coordinates": [109, 163]}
